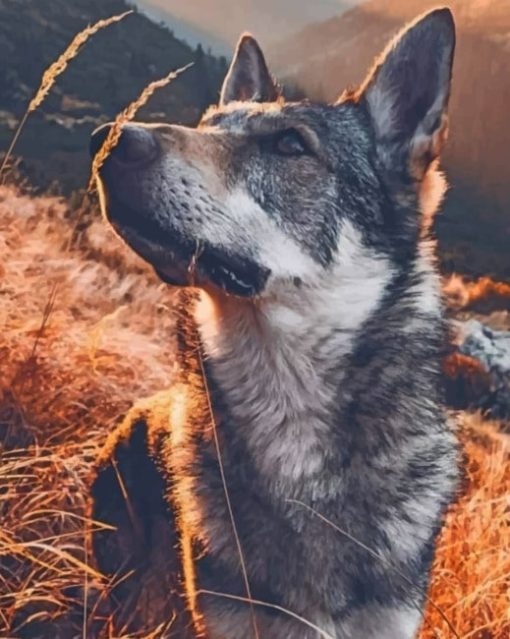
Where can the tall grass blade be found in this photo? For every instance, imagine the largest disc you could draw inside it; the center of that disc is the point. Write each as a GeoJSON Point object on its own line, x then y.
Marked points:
{"type": "Point", "coordinates": [113, 137]}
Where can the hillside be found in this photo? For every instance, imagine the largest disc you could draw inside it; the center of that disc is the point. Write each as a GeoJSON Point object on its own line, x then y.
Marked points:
{"type": "Point", "coordinates": [110, 72]}
{"type": "Point", "coordinates": [328, 56]}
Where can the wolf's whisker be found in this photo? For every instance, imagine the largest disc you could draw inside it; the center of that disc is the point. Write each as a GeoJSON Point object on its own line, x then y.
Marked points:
{"type": "Point", "coordinates": [193, 262]}
{"type": "Point", "coordinates": [377, 556]}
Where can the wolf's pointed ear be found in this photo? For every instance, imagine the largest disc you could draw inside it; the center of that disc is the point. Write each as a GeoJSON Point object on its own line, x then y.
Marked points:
{"type": "Point", "coordinates": [407, 92]}
{"type": "Point", "coordinates": [248, 78]}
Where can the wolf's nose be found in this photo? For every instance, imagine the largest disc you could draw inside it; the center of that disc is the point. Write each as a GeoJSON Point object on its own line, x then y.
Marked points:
{"type": "Point", "coordinates": [136, 144]}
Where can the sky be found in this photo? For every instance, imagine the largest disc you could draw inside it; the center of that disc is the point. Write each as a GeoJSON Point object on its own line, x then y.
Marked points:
{"type": "Point", "coordinates": [218, 23]}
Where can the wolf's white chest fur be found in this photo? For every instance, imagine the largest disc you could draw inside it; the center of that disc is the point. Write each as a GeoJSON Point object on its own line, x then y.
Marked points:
{"type": "Point", "coordinates": [272, 360]}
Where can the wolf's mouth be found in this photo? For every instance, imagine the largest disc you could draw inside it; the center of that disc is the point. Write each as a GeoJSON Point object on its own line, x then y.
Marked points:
{"type": "Point", "coordinates": [181, 261]}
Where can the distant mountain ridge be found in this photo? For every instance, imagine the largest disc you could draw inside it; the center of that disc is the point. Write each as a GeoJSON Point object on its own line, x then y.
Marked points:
{"type": "Point", "coordinates": [326, 57]}
{"type": "Point", "coordinates": [192, 34]}
{"type": "Point", "coordinates": [268, 20]}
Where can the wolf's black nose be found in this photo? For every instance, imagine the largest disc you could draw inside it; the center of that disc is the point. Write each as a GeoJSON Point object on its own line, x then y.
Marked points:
{"type": "Point", "coordinates": [136, 144]}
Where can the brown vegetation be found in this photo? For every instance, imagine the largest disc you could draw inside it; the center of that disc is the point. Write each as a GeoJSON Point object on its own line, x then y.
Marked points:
{"type": "Point", "coordinates": [466, 380]}
{"type": "Point", "coordinates": [86, 329]}
{"type": "Point", "coordinates": [482, 295]}
{"type": "Point", "coordinates": [471, 576]}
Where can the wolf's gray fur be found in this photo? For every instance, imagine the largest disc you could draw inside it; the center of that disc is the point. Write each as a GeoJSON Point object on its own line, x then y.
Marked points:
{"type": "Point", "coordinates": [306, 227]}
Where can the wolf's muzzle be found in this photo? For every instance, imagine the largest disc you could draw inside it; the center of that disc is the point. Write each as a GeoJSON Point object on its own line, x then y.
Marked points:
{"type": "Point", "coordinates": [137, 145]}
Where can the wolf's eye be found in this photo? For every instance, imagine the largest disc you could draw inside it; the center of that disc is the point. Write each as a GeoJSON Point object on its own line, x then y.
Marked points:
{"type": "Point", "coordinates": [291, 142]}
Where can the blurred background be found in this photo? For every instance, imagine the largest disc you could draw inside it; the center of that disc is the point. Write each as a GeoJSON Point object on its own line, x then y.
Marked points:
{"type": "Point", "coordinates": [315, 48]}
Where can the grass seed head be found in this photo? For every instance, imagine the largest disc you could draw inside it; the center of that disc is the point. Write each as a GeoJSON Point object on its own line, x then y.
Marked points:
{"type": "Point", "coordinates": [113, 137]}
{"type": "Point", "coordinates": [60, 65]}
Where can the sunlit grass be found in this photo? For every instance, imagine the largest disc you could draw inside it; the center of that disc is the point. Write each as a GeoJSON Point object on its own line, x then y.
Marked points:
{"type": "Point", "coordinates": [68, 370]}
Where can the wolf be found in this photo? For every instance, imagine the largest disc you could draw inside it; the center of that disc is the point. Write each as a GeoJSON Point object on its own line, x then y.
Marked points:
{"type": "Point", "coordinates": [292, 482]}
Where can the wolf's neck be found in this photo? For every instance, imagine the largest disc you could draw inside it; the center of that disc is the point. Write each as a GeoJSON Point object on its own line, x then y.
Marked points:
{"type": "Point", "coordinates": [283, 369]}
{"type": "Point", "coordinates": [279, 368]}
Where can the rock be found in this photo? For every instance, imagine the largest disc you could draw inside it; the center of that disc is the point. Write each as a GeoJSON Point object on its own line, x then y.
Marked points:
{"type": "Point", "coordinates": [466, 381]}
{"type": "Point", "coordinates": [491, 350]}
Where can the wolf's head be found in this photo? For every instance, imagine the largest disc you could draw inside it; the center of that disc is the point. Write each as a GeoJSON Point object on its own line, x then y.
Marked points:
{"type": "Point", "coordinates": [266, 199]}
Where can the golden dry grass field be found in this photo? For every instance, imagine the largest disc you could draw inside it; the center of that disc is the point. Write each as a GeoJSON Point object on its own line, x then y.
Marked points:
{"type": "Point", "coordinates": [86, 331]}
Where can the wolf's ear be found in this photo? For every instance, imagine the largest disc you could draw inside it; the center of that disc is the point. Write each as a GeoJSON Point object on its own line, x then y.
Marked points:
{"type": "Point", "coordinates": [407, 92]}
{"type": "Point", "coordinates": [248, 78]}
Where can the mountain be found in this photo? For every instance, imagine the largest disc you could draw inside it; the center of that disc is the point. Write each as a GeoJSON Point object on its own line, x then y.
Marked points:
{"type": "Point", "coordinates": [109, 72]}
{"type": "Point", "coordinates": [326, 57]}
{"type": "Point", "coordinates": [225, 20]}
{"type": "Point", "coordinates": [190, 32]}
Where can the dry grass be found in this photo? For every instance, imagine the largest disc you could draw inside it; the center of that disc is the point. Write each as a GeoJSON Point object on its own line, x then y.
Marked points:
{"type": "Point", "coordinates": [113, 137]}
{"type": "Point", "coordinates": [471, 577]}
{"type": "Point", "coordinates": [483, 294]}
{"type": "Point", "coordinates": [107, 340]}
{"type": "Point", "coordinates": [60, 65]}
{"type": "Point", "coordinates": [68, 372]}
